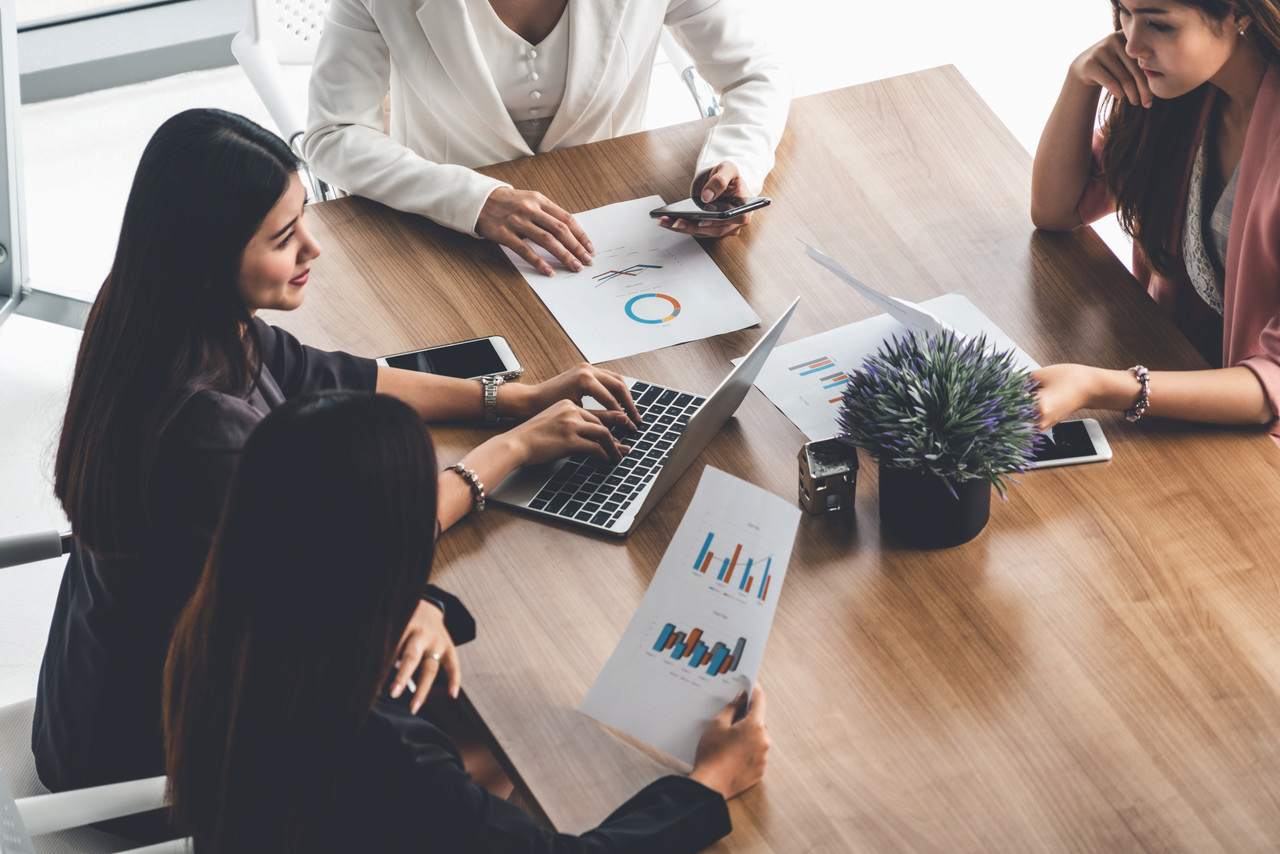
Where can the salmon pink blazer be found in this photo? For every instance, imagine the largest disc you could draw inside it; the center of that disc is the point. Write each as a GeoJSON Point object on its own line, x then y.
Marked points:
{"type": "Point", "coordinates": [1251, 295]}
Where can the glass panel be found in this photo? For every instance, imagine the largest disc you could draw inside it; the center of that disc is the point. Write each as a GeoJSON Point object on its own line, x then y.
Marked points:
{"type": "Point", "coordinates": [46, 11]}
{"type": "Point", "coordinates": [13, 258]}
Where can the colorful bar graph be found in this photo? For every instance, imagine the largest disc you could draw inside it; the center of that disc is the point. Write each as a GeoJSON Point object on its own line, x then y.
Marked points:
{"type": "Point", "coordinates": [694, 641]}
{"type": "Point", "coordinates": [718, 654]}
{"type": "Point", "coordinates": [706, 549]}
{"type": "Point", "coordinates": [717, 658]}
{"type": "Point", "coordinates": [844, 380]}
{"type": "Point", "coordinates": [728, 571]}
{"type": "Point", "coordinates": [831, 379]}
{"type": "Point", "coordinates": [764, 580]}
{"type": "Point", "coordinates": [737, 550]}
{"type": "Point", "coordinates": [677, 650]}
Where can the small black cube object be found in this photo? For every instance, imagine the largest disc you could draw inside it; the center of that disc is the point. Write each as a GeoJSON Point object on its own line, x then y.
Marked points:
{"type": "Point", "coordinates": [828, 476]}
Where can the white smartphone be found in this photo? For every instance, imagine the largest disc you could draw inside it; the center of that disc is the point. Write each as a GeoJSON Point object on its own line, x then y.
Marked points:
{"type": "Point", "coordinates": [479, 357]}
{"type": "Point", "coordinates": [1071, 443]}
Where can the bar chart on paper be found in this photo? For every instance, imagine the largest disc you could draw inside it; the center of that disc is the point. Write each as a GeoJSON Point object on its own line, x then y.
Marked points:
{"type": "Point", "coordinates": [724, 568]}
{"type": "Point", "coordinates": [692, 649]}
{"type": "Point", "coordinates": [699, 636]}
{"type": "Point", "coordinates": [806, 378]}
{"type": "Point", "coordinates": [832, 379]}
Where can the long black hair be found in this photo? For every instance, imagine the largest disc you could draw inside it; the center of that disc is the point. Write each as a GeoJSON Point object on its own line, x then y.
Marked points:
{"type": "Point", "coordinates": [1145, 148]}
{"type": "Point", "coordinates": [169, 318]}
{"type": "Point", "coordinates": [324, 545]}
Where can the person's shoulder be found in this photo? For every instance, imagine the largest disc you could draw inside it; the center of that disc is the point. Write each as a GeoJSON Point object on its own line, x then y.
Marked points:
{"type": "Point", "coordinates": [207, 417]}
{"type": "Point", "coordinates": [270, 336]}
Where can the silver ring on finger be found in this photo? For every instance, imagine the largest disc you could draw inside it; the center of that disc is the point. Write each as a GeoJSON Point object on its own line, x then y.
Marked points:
{"type": "Point", "coordinates": [436, 656]}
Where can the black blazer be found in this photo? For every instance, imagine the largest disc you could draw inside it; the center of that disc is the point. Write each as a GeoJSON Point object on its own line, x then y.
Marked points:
{"type": "Point", "coordinates": [404, 790]}
{"type": "Point", "coordinates": [97, 716]}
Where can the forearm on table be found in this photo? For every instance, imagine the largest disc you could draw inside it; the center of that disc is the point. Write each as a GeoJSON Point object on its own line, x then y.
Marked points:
{"type": "Point", "coordinates": [438, 398]}
{"type": "Point", "coordinates": [1218, 396]}
{"type": "Point", "coordinates": [491, 461]}
{"type": "Point", "coordinates": [1064, 158]}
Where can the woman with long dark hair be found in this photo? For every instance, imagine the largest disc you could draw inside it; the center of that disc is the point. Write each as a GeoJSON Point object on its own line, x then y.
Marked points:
{"type": "Point", "coordinates": [174, 372]}
{"type": "Point", "coordinates": [1188, 159]}
{"type": "Point", "coordinates": [278, 735]}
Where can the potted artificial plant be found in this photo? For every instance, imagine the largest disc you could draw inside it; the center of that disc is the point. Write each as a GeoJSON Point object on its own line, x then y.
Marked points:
{"type": "Point", "coordinates": [946, 418]}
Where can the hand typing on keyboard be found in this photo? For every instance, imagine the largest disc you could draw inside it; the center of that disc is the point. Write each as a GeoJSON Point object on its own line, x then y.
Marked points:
{"type": "Point", "coordinates": [592, 489]}
{"type": "Point", "coordinates": [605, 387]}
{"type": "Point", "coordinates": [564, 427]}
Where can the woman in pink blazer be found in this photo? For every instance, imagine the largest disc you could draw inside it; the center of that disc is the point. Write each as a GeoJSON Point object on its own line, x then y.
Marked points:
{"type": "Point", "coordinates": [1189, 159]}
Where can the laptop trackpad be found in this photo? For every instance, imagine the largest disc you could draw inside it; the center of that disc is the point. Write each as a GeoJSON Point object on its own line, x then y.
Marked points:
{"type": "Point", "coordinates": [523, 483]}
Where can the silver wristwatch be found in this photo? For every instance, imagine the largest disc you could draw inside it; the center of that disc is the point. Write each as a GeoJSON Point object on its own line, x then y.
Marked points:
{"type": "Point", "coordinates": [490, 385]}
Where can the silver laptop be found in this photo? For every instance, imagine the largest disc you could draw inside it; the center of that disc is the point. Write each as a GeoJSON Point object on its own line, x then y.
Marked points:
{"type": "Point", "coordinates": [677, 425]}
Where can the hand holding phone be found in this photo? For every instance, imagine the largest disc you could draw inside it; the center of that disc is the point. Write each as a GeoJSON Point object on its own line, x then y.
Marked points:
{"type": "Point", "coordinates": [721, 210]}
{"type": "Point", "coordinates": [720, 205]}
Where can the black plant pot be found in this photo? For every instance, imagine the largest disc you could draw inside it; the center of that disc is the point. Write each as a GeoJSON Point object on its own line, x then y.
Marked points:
{"type": "Point", "coordinates": [917, 508]}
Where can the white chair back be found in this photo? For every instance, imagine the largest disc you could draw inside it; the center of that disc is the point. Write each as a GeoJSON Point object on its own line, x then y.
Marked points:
{"type": "Point", "coordinates": [283, 32]}
{"type": "Point", "coordinates": [704, 97]}
{"type": "Point", "coordinates": [28, 548]}
{"type": "Point", "coordinates": [292, 27]}
{"type": "Point", "coordinates": [56, 821]}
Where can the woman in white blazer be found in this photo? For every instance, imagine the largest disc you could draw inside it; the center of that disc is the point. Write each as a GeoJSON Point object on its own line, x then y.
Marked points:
{"type": "Point", "coordinates": [474, 82]}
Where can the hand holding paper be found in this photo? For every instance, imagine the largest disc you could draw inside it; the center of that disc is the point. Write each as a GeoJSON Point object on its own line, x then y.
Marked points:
{"type": "Point", "coordinates": [697, 640]}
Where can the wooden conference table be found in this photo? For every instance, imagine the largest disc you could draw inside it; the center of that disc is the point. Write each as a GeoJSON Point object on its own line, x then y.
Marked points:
{"type": "Point", "coordinates": [1099, 670]}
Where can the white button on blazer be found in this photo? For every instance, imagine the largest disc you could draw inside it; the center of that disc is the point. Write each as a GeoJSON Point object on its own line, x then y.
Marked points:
{"type": "Point", "coordinates": [448, 117]}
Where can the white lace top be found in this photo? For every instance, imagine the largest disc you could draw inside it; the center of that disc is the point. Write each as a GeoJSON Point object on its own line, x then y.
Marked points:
{"type": "Point", "coordinates": [1204, 245]}
{"type": "Point", "coordinates": [530, 78]}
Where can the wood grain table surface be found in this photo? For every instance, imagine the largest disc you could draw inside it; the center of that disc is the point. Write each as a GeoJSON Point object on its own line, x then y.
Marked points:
{"type": "Point", "coordinates": [1097, 671]}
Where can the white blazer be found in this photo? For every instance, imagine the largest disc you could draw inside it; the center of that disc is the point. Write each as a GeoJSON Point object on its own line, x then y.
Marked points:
{"type": "Point", "coordinates": [447, 115]}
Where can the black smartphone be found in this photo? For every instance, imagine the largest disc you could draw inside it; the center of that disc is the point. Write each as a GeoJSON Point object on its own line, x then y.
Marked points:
{"type": "Point", "coordinates": [478, 357]}
{"type": "Point", "coordinates": [1071, 443]}
{"type": "Point", "coordinates": [720, 209]}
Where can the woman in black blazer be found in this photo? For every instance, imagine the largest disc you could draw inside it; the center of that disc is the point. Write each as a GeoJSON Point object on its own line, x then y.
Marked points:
{"type": "Point", "coordinates": [175, 370]}
{"type": "Point", "coordinates": [279, 736]}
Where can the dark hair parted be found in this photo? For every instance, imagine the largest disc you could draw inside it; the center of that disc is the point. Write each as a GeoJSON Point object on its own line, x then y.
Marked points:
{"type": "Point", "coordinates": [1145, 149]}
{"type": "Point", "coordinates": [323, 549]}
{"type": "Point", "coordinates": [169, 317]}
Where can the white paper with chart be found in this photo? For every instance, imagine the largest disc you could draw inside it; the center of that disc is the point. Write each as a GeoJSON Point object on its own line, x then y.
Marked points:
{"type": "Point", "coordinates": [806, 378]}
{"type": "Point", "coordinates": [648, 287]}
{"type": "Point", "coordinates": [698, 637]}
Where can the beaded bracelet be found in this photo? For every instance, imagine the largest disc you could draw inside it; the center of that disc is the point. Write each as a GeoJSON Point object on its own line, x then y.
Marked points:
{"type": "Point", "coordinates": [1140, 407]}
{"type": "Point", "coordinates": [477, 488]}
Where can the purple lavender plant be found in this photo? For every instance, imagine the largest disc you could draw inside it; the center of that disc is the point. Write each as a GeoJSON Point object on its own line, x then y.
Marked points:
{"type": "Point", "coordinates": [943, 405]}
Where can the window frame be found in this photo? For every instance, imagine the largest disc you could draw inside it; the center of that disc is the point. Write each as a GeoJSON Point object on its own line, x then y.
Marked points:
{"type": "Point", "coordinates": [129, 43]}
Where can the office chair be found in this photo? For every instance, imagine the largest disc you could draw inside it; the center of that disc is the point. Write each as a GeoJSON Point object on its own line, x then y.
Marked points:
{"type": "Point", "coordinates": [27, 809]}
{"type": "Point", "coordinates": [29, 548]}
{"type": "Point", "coordinates": [704, 97]}
{"type": "Point", "coordinates": [287, 32]}
{"type": "Point", "coordinates": [283, 32]}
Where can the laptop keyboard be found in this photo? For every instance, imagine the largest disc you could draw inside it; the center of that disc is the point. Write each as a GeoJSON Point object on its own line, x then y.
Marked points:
{"type": "Point", "coordinates": [588, 489]}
